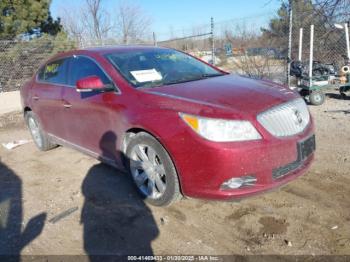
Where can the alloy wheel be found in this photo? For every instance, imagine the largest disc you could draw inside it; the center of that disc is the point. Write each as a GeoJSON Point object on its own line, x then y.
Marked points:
{"type": "Point", "coordinates": [148, 171]}
{"type": "Point", "coordinates": [35, 131]}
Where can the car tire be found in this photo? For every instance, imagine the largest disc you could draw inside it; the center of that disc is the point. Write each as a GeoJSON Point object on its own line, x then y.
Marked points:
{"type": "Point", "coordinates": [317, 98]}
{"type": "Point", "coordinates": [40, 137]}
{"type": "Point", "coordinates": [304, 93]}
{"type": "Point", "coordinates": [317, 72]}
{"type": "Point", "coordinates": [152, 170]}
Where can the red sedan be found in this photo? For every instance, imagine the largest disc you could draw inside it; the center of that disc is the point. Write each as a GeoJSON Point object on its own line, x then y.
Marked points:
{"type": "Point", "coordinates": [177, 124]}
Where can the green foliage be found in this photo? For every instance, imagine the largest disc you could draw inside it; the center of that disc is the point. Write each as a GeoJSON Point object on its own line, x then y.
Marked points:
{"type": "Point", "coordinates": [22, 16]}
{"type": "Point", "coordinates": [51, 26]}
{"type": "Point", "coordinates": [303, 14]}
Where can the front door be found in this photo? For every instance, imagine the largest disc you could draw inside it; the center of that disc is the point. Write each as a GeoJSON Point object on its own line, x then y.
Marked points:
{"type": "Point", "coordinates": [92, 122]}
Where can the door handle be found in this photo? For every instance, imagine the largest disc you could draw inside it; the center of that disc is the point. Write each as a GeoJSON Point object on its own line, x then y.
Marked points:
{"type": "Point", "coordinates": [67, 105]}
{"type": "Point", "coordinates": [35, 98]}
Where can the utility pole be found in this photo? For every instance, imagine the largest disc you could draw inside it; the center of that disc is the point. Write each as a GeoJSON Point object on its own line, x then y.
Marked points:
{"type": "Point", "coordinates": [311, 53]}
{"type": "Point", "coordinates": [290, 41]}
{"type": "Point", "coordinates": [212, 41]}
{"type": "Point", "coordinates": [154, 39]}
{"type": "Point", "coordinates": [346, 26]}
{"type": "Point", "coordinates": [301, 31]}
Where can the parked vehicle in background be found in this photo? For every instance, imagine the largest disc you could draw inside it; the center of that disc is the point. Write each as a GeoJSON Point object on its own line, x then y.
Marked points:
{"type": "Point", "coordinates": [178, 125]}
{"type": "Point", "coordinates": [267, 52]}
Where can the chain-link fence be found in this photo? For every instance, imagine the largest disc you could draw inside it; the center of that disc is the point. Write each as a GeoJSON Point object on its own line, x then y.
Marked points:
{"type": "Point", "coordinates": [198, 41]}
{"type": "Point", "coordinates": [319, 41]}
{"type": "Point", "coordinates": [235, 45]}
{"type": "Point", "coordinates": [243, 46]}
{"type": "Point", "coordinates": [20, 59]}
{"type": "Point", "coordinates": [253, 54]}
{"type": "Point", "coordinates": [239, 46]}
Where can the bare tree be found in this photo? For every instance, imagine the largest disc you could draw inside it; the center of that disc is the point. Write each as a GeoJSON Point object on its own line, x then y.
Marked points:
{"type": "Point", "coordinates": [90, 21]}
{"type": "Point", "coordinates": [333, 10]}
{"type": "Point", "coordinates": [96, 19]}
{"type": "Point", "coordinates": [251, 57]}
{"type": "Point", "coordinates": [132, 23]}
{"type": "Point", "coordinates": [71, 21]}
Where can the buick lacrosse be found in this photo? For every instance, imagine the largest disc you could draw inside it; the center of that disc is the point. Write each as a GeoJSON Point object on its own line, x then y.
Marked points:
{"type": "Point", "coordinates": [179, 126]}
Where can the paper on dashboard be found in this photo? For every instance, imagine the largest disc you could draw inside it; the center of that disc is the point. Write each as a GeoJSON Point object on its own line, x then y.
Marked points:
{"type": "Point", "coordinates": [149, 75]}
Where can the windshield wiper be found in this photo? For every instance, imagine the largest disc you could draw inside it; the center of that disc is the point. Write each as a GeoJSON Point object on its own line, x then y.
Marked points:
{"type": "Point", "coordinates": [181, 81]}
{"type": "Point", "coordinates": [211, 75]}
{"type": "Point", "coordinates": [200, 77]}
{"type": "Point", "coordinates": [203, 76]}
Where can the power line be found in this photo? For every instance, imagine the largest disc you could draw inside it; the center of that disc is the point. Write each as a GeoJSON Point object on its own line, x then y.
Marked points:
{"type": "Point", "coordinates": [207, 25]}
{"type": "Point", "coordinates": [183, 38]}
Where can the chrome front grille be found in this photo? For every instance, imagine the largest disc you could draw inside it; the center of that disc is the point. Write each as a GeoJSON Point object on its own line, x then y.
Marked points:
{"type": "Point", "coordinates": [287, 119]}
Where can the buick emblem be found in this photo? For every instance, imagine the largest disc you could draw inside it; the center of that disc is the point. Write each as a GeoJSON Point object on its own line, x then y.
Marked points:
{"type": "Point", "coordinates": [297, 117]}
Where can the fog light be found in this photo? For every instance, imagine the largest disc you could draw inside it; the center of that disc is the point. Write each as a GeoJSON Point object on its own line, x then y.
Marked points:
{"type": "Point", "coordinates": [239, 182]}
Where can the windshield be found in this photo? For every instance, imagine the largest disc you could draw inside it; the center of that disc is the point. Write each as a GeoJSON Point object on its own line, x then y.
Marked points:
{"type": "Point", "coordinates": [159, 67]}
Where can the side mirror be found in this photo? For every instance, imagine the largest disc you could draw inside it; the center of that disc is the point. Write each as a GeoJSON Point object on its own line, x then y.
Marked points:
{"type": "Point", "coordinates": [90, 83]}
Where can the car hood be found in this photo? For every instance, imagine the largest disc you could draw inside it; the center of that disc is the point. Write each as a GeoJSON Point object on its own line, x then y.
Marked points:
{"type": "Point", "coordinates": [229, 92]}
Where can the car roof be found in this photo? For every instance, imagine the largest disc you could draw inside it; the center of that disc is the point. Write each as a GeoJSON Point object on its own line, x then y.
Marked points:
{"type": "Point", "coordinates": [109, 49]}
{"type": "Point", "coordinates": [123, 48]}
{"type": "Point", "coordinates": [103, 50]}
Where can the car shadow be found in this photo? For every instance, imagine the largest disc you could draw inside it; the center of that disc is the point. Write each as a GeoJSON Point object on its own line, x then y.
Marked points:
{"type": "Point", "coordinates": [12, 238]}
{"type": "Point", "coordinates": [115, 219]}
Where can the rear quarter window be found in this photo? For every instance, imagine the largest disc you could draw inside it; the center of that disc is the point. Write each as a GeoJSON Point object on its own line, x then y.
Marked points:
{"type": "Point", "coordinates": [54, 72]}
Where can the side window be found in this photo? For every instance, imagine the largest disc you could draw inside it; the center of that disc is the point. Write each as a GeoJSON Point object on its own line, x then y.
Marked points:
{"type": "Point", "coordinates": [41, 74]}
{"type": "Point", "coordinates": [82, 67]}
{"type": "Point", "coordinates": [54, 72]}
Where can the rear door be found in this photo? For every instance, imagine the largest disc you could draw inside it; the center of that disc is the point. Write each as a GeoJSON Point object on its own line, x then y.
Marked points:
{"type": "Point", "coordinates": [47, 95]}
{"type": "Point", "coordinates": [90, 115]}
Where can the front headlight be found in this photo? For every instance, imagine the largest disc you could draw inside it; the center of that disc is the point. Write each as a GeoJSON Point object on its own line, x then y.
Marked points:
{"type": "Point", "coordinates": [220, 130]}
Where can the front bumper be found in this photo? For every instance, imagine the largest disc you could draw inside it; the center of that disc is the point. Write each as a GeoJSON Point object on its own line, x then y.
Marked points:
{"type": "Point", "coordinates": [203, 166]}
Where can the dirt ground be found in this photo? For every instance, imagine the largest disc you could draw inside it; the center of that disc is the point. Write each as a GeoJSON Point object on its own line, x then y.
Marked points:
{"type": "Point", "coordinates": [9, 102]}
{"type": "Point", "coordinates": [78, 206]}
